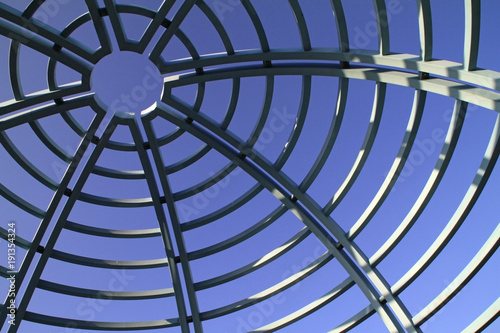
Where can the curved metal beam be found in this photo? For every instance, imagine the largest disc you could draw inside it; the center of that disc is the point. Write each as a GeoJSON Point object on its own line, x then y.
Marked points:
{"type": "Point", "coordinates": [155, 55]}
{"type": "Point", "coordinates": [272, 184]}
{"type": "Point", "coordinates": [284, 181]}
{"type": "Point", "coordinates": [397, 61]}
{"type": "Point", "coordinates": [100, 294]}
{"type": "Point", "coordinates": [486, 168]}
{"type": "Point", "coordinates": [481, 257]}
{"type": "Point", "coordinates": [449, 145]}
{"type": "Point", "coordinates": [396, 168]}
{"type": "Point", "coordinates": [383, 26]}
{"type": "Point", "coordinates": [364, 151]}
{"type": "Point", "coordinates": [101, 325]}
{"type": "Point", "coordinates": [462, 91]}
{"type": "Point", "coordinates": [461, 81]}
{"type": "Point", "coordinates": [174, 222]}
{"type": "Point", "coordinates": [485, 319]}
{"type": "Point", "coordinates": [46, 220]}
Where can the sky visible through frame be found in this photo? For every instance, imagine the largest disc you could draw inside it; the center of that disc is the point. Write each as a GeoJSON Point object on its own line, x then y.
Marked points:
{"type": "Point", "coordinates": [448, 29]}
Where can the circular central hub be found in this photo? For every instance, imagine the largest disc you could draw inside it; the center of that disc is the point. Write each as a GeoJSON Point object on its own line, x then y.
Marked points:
{"type": "Point", "coordinates": [127, 81]}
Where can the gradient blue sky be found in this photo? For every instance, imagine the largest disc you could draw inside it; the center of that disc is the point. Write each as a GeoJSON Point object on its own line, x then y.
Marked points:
{"type": "Point", "coordinates": [121, 73]}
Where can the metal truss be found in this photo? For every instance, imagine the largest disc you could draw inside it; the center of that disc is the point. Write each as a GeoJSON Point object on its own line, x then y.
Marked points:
{"type": "Point", "coordinates": [464, 82]}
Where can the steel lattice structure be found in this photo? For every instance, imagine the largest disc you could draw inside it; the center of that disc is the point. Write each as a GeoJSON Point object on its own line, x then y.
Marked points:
{"type": "Point", "coordinates": [464, 83]}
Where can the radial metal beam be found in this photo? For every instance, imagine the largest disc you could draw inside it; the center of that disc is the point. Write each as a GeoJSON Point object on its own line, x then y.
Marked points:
{"type": "Point", "coordinates": [165, 232]}
{"type": "Point", "coordinates": [175, 225]}
{"type": "Point", "coordinates": [26, 28]}
{"type": "Point", "coordinates": [173, 27]}
{"type": "Point", "coordinates": [154, 25]}
{"type": "Point", "coordinates": [46, 220]}
{"type": "Point", "coordinates": [116, 22]}
{"type": "Point", "coordinates": [272, 184]}
{"type": "Point", "coordinates": [342, 32]}
{"type": "Point", "coordinates": [425, 29]}
{"type": "Point", "coordinates": [382, 18]}
{"type": "Point", "coordinates": [40, 265]}
{"type": "Point", "coordinates": [284, 181]}
{"type": "Point", "coordinates": [43, 46]}
{"type": "Point", "coordinates": [99, 26]}
{"type": "Point", "coordinates": [472, 27]}
{"type": "Point", "coordinates": [464, 82]}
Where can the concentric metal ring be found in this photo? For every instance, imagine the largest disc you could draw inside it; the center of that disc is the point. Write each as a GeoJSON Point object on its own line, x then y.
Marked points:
{"type": "Point", "coordinates": [271, 154]}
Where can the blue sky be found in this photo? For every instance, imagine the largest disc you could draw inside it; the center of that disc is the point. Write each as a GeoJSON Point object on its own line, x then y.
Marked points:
{"type": "Point", "coordinates": [129, 82]}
